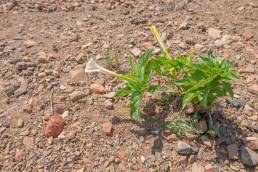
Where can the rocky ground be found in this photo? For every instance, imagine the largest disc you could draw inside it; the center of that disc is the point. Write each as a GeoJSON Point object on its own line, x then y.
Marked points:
{"type": "Point", "coordinates": [45, 93]}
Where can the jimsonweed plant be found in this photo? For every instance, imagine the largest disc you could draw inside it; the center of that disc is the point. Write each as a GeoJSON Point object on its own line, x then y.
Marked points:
{"type": "Point", "coordinates": [200, 81]}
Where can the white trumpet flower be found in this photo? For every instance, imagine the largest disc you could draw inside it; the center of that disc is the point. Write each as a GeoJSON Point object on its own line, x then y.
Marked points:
{"type": "Point", "coordinates": [92, 66]}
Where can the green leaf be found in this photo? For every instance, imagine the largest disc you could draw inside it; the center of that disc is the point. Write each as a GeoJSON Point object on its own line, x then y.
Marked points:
{"type": "Point", "coordinates": [228, 89]}
{"type": "Point", "coordinates": [136, 106]}
{"type": "Point", "coordinates": [188, 97]}
{"type": "Point", "coordinates": [124, 92]}
{"type": "Point", "coordinates": [154, 89]}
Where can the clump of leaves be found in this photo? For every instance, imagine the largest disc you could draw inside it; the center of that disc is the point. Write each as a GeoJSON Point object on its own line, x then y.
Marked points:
{"type": "Point", "coordinates": [137, 81]}
{"type": "Point", "coordinates": [200, 83]}
{"type": "Point", "coordinates": [206, 80]}
{"type": "Point", "coordinates": [179, 126]}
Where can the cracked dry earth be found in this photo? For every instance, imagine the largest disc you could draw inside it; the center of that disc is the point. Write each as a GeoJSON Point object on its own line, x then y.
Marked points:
{"type": "Point", "coordinates": [43, 48]}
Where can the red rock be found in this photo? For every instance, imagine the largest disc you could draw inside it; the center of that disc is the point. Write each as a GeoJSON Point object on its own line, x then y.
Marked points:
{"type": "Point", "coordinates": [171, 138]}
{"type": "Point", "coordinates": [42, 75]}
{"type": "Point", "coordinates": [197, 167]}
{"type": "Point", "coordinates": [54, 127]}
{"type": "Point", "coordinates": [121, 155]}
{"type": "Point", "coordinates": [232, 151]}
{"type": "Point", "coordinates": [210, 168]}
{"type": "Point", "coordinates": [19, 155]}
{"type": "Point", "coordinates": [108, 104]}
{"type": "Point", "coordinates": [203, 125]}
{"type": "Point", "coordinates": [247, 34]}
{"type": "Point", "coordinates": [107, 128]}
{"type": "Point", "coordinates": [29, 43]}
{"type": "Point", "coordinates": [78, 74]}
{"type": "Point", "coordinates": [59, 109]}
{"type": "Point", "coordinates": [97, 88]}
{"type": "Point", "coordinates": [28, 142]}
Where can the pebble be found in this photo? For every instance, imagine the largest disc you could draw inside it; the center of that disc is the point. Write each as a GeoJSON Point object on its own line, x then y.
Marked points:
{"type": "Point", "coordinates": [183, 148]}
{"type": "Point", "coordinates": [9, 91]}
{"type": "Point", "coordinates": [76, 95]}
{"type": "Point", "coordinates": [109, 104]}
{"type": "Point", "coordinates": [248, 157]}
{"type": "Point", "coordinates": [78, 74]}
{"type": "Point", "coordinates": [20, 123]}
{"type": "Point", "coordinates": [254, 89]}
{"type": "Point", "coordinates": [136, 52]}
{"type": "Point", "coordinates": [97, 88]}
{"type": "Point", "coordinates": [142, 159]}
{"type": "Point", "coordinates": [29, 43]}
{"type": "Point", "coordinates": [21, 66]}
{"type": "Point", "coordinates": [233, 151]}
{"type": "Point", "coordinates": [54, 127]}
{"type": "Point", "coordinates": [28, 142]}
{"type": "Point", "coordinates": [110, 95]}
{"type": "Point", "coordinates": [20, 91]}
{"type": "Point", "coordinates": [19, 155]}
{"type": "Point", "coordinates": [184, 26]}
{"type": "Point", "coordinates": [238, 103]}
{"type": "Point", "coordinates": [107, 128]}
{"type": "Point", "coordinates": [121, 155]}
{"type": "Point", "coordinates": [214, 33]}
{"type": "Point", "coordinates": [247, 34]}
{"type": "Point", "coordinates": [65, 114]}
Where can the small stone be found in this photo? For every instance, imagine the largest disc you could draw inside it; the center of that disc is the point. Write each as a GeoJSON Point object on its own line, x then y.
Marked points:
{"type": "Point", "coordinates": [136, 52]}
{"type": "Point", "coordinates": [248, 157]}
{"type": "Point", "coordinates": [65, 114]}
{"type": "Point", "coordinates": [29, 43]}
{"type": "Point", "coordinates": [80, 58]}
{"type": "Point", "coordinates": [28, 142]}
{"type": "Point", "coordinates": [19, 155]}
{"type": "Point", "coordinates": [107, 128]}
{"type": "Point", "coordinates": [9, 91]}
{"type": "Point", "coordinates": [206, 141]}
{"type": "Point", "coordinates": [78, 74]}
{"type": "Point", "coordinates": [247, 34]}
{"type": "Point", "coordinates": [238, 103]}
{"type": "Point", "coordinates": [210, 168]}
{"type": "Point", "coordinates": [54, 127]}
{"type": "Point", "coordinates": [21, 66]}
{"type": "Point", "coordinates": [121, 155]}
{"type": "Point", "coordinates": [171, 138]}
{"type": "Point", "coordinates": [20, 123]}
{"type": "Point", "coordinates": [233, 151]}
{"type": "Point", "coordinates": [203, 126]}
{"type": "Point", "coordinates": [97, 88]}
{"type": "Point", "coordinates": [142, 159]}
{"type": "Point", "coordinates": [183, 148]}
{"type": "Point", "coordinates": [42, 57]}
{"type": "Point", "coordinates": [42, 75]}
{"type": "Point", "coordinates": [251, 142]}
{"type": "Point", "coordinates": [110, 95]}
{"type": "Point", "coordinates": [59, 109]}
{"type": "Point", "coordinates": [20, 91]}
{"type": "Point", "coordinates": [254, 88]}
{"type": "Point", "coordinates": [108, 104]}
{"type": "Point", "coordinates": [34, 132]}
{"type": "Point", "coordinates": [197, 167]}
{"type": "Point", "coordinates": [76, 95]}
{"type": "Point", "coordinates": [214, 33]}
